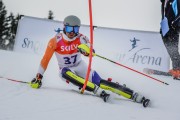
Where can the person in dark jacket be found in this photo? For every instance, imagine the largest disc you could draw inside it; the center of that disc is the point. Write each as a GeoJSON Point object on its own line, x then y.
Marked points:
{"type": "Point", "coordinates": [170, 28]}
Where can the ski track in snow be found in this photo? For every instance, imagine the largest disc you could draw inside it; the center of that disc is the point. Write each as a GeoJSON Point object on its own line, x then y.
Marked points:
{"type": "Point", "coordinates": [59, 100]}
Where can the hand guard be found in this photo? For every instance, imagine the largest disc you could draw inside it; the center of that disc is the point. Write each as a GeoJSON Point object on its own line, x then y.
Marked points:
{"type": "Point", "coordinates": [36, 82]}
{"type": "Point", "coordinates": [82, 51]}
{"type": "Point", "coordinates": [85, 50]}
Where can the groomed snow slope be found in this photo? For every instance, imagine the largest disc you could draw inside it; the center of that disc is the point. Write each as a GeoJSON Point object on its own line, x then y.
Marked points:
{"type": "Point", "coordinates": [57, 100]}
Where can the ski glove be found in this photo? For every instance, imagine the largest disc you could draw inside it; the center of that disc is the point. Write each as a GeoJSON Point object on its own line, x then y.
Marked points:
{"type": "Point", "coordinates": [36, 82]}
{"type": "Point", "coordinates": [85, 50]}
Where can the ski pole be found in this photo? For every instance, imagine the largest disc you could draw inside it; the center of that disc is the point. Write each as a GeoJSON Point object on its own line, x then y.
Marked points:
{"type": "Point", "coordinates": [130, 69]}
{"type": "Point", "coordinates": [16, 80]}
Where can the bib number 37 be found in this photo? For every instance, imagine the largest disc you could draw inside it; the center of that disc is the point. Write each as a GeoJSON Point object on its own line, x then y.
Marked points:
{"type": "Point", "coordinates": [70, 60]}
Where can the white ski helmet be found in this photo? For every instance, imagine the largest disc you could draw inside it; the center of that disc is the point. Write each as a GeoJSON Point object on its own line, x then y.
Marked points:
{"type": "Point", "coordinates": [72, 20]}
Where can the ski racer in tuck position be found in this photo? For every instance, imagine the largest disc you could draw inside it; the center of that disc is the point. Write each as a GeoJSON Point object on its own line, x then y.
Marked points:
{"type": "Point", "coordinates": [68, 47]}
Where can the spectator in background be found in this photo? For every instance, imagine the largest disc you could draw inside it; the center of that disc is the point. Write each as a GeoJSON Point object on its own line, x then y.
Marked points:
{"type": "Point", "coordinates": [170, 28]}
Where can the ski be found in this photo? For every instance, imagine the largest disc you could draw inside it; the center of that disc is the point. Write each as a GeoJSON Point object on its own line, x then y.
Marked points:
{"type": "Point", "coordinates": [117, 89]}
{"type": "Point", "coordinates": [156, 72]}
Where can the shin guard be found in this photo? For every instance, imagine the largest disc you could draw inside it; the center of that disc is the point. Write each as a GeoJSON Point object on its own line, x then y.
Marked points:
{"type": "Point", "coordinates": [116, 88]}
{"type": "Point", "coordinates": [77, 80]}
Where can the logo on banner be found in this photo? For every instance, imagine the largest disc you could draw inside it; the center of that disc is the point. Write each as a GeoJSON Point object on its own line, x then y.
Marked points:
{"type": "Point", "coordinates": [138, 54]}
{"type": "Point", "coordinates": [134, 43]}
{"type": "Point", "coordinates": [36, 46]}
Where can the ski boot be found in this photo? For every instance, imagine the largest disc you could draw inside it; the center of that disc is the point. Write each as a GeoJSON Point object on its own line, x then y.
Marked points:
{"type": "Point", "coordinates": [140, 99]}
{"type": "Point", "coordinates": [175, 73]}
{"type": "Point", "coordinates": [104, 96]}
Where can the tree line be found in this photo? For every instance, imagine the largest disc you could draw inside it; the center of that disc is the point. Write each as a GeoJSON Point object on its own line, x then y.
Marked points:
{"type": "Point", "coordinates": [8, 27]}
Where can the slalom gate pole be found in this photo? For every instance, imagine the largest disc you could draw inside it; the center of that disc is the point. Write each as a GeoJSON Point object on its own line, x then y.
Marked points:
{"type": "Point", "coordinates": [16, 80]}
{"type": "Point", "coordinates": [131, 69]}
{"type": "Point", "coordinates": [91, 47]}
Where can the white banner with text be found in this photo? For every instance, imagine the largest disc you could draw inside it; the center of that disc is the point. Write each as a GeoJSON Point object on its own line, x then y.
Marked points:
{"type": "Point", "coordinates": [137, 49]}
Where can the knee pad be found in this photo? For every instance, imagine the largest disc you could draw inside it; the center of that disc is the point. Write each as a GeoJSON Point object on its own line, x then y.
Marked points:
{"type": "Point", "coordinates": [76, 80]}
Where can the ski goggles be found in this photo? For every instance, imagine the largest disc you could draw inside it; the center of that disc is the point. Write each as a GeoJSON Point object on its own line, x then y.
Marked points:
{"type": "Point", "coordinates": [74, 29]}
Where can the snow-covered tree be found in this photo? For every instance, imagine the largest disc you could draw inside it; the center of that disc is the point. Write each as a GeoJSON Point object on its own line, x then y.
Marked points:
{"type": "Point", "coordinates": [3, 26]}
{"type": "Point", "coordinates": [50, 16]}
{"type": "Point", "coordinates": [13, 23]}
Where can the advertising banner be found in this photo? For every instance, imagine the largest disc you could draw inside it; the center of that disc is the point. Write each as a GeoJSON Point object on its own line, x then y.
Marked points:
{"type": "Point", "coordinates": [138, 49]}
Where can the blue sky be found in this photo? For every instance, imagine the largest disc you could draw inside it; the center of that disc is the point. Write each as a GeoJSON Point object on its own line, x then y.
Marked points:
{"type": "Point", "coordinates": [126, 14]}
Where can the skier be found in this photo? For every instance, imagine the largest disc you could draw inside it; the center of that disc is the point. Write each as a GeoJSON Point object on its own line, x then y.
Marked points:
{"type": "Point", "coordinates": [170, 10]}
{"type": "Point", "coordinates": [68, 47]}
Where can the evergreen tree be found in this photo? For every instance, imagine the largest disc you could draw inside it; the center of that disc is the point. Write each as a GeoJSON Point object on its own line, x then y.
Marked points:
{"type": "Point", "coordinates": [13, 23]}
{"type": "Point", "coordinates": [50, 16]}
{"type": "Point", "coordinates": [8, 27]}
{"type": "Point", "coordinates": [3, 26]}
